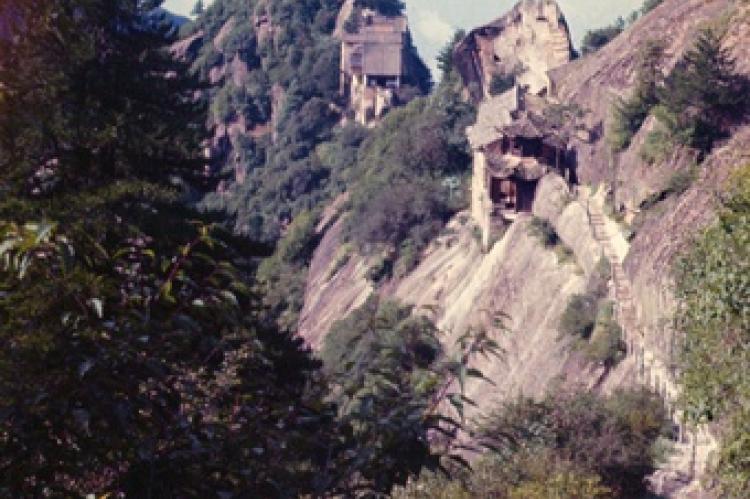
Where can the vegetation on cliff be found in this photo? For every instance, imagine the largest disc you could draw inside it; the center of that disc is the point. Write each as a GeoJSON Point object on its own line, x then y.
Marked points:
{"type": "Point", "coordinates": [135, 359]}
{"type": "Point", "coordinates": [132, 360]}
{"type": "Point", "coordinates": [566, 445]}
{"type": "Point", "coordinates": [146, 345]}
{"type": "Point", "coordinates": [286, 96]}
{"type": "Point", "coordinates": [410, 171]}
{"type": "Point", "coordinates": [274, 109]}
{"type": "Point", "coordinates": [589, 320]}
{"type": "Point", "coordinates": [696, 104]}
{"type": "Point", "coordinates": [713, 286]}
{"type": "Point", "coordinates": [703, 96]}
{"type": "Point", "coordinates": [595, 39]}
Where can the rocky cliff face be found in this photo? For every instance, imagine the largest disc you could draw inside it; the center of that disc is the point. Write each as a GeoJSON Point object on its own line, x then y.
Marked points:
{"type": "Point", "coordinates": [463, 287]}
{"type": "Point", "coordinates": [593, 83]}
{"type": "Point", "coordinates": [526, 42]}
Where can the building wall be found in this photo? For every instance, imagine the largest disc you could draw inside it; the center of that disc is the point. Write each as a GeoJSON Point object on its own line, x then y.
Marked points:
{"type": "Point", "coordinates": [368, 102]}
{"type": "Point", "coordinates": [480, 204]}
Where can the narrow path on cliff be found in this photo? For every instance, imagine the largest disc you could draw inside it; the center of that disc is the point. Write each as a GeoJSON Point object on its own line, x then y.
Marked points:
{"type": "Point", "coordinates": [678, 476]}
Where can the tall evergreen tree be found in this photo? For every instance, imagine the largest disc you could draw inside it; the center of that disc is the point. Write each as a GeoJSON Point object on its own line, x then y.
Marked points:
{"type": "Point", "coordinates": [131, 359]}
{"type": "Point", "coordinates": [704, 95]}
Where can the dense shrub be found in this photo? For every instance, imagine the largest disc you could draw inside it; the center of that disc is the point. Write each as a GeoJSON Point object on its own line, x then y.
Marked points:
{"type": "Point", "coordinates": [611, 438]}
{"type": "Point", "coordinates": [579, 316]}
{"type": "Point", "coordinates": [544, 231]}
{"type": "Point", "coordinates": [283, 175]}
{"type": "Point", "coordinates": [657, 146]}
{"type": "Point", "coordinates": [703, 95]}
{"type": "Point", "coordinates": [500, 83]}
{"type": "Point", "coordinates": [606, 346]}
{"type": "Point", "coordinates": [713, 288]}
{"type": "Point", "coordinates": [629, 114]}
{"type": "Point", "coordinates": [391, 374]}
{"type": "Point", "coordinates": [145, 369]}
{"type": "Point", "coordinates": [567, 445]}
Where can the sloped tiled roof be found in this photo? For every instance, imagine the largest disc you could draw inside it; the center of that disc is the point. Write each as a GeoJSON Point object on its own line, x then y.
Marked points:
{"type": "Point", "coordinates": [380, 44]}
{"type": "Point", "coordinates": [493, 115]}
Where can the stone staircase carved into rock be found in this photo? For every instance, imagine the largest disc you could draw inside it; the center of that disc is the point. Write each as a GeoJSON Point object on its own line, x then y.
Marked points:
{"type": "Point", "coordinates": [693, 447]}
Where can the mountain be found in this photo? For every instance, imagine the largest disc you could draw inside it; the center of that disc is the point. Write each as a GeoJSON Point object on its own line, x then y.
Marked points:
{"type": "Point", "coordinates": [623, 217]}
{"type": "Point", "coordinates": [264, 254]}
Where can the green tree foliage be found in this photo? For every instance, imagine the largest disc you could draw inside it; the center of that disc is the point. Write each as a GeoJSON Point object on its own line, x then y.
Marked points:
{"type": "Point", "coordinates": [579, 316]}
{"type": "Point", "coordinates": [198, 8]}
{"type": "Point", "coordinates": [611, 438]}
{"type": "Point", "coordinates": [291, 91]}
{"type": "Point", "coordinates": [133, 361]}
{"type": "Point", "coordinates": [595, 39]}
{"type": "Point", "coordinates": [567, 445]}
{"type": "Point", "coordinates": [713, 287]}
{"type": "Point", "coordinates": [501, 84]}
{"type": "Point", "coordinates": [629, 114]}
{"type": "Point", "coordinates": [649, 5]}
{"type": "Point", "coordinates": [283, 177]}
{"type": "Point", "coordinates": [703, 96]}
{"type": "Point", "coordinates": [385, 363]}
{"type": "Point", "coordinates": [606, 346]}
{"type": "Point", "coordinates": [401, 199]}
{"type": "Point", "coordinates": [395, 384]}
{"type": "Point", "coordinates": [544, 231]}
{"type": "Point", "coordinates": [590, 319]}
{"type": "Point", "coordinates": [283, 276]}
{"type": "Point", "coordinates": [295, 67]}
{"type": "Point", "coordinates": [445, 56]}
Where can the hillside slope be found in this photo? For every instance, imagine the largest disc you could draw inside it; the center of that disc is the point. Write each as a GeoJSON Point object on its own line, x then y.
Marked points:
{"type": "Point", "coordinates": [462, 287]}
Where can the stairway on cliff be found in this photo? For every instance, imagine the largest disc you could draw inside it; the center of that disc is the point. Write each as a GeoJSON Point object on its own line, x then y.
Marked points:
{"type": "Point", "coordinates": [691, 450]}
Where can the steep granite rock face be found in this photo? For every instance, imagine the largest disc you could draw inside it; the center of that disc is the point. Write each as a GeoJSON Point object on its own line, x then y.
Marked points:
{"type": "Point", "coordinates": [667, 231]}
{"type": "Point", "coordinates": [594, 82]}
{"type": "Point", "coordinates": [462, 287]}
{"type": "Point", "coordinates": [527, 42]}
{"type": "Point", "coordinates": [336, 285]}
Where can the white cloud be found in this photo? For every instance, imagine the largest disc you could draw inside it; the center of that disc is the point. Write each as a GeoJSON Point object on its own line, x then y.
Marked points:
{"type": "Point", "coordinates": [433, 28]}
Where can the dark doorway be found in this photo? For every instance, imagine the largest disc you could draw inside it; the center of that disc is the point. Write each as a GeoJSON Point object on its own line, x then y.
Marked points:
{"type": "Point", "coordinates": [503, 193]}
{"type": "Point", "coordinates": [526, 193]}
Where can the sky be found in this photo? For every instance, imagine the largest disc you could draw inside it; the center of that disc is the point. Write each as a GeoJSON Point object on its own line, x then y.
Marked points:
{"type": "Point", "coordinates": [433, 22]}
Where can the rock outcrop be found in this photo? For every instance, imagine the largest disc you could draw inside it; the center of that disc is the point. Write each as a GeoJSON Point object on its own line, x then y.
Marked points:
{"type": "Point", "coordinates": [461, 286]}
{"type": "Point", "coordinates": [526, 42]}
{"type": "Point", "coordinates": [593, 83]}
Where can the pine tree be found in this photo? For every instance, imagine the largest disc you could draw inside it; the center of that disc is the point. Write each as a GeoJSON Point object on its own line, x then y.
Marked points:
{"type": "Point", "coordinates": [704, 95]}
{"type": "Point", "coordinates": [198, 8]}
{"type": "Point", "coordinates": [629, 114]}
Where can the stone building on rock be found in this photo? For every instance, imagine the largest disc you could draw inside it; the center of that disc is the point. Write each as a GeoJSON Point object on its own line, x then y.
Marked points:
{"type": "Point", "coordinates": [373, 65]}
